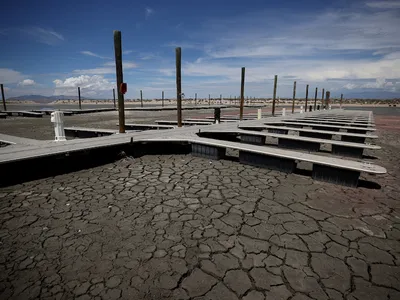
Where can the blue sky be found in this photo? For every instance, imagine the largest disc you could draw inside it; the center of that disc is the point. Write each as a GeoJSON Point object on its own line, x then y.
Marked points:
{"type": "Point", "coordinates": [345, 46]}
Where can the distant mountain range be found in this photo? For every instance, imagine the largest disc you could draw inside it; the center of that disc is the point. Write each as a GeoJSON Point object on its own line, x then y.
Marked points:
{"type": "Point", "coordinates": [44, 99]}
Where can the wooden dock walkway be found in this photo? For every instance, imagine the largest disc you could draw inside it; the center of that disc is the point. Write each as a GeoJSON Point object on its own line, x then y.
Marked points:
{"type": "Point", "coordinates": [331, 169]}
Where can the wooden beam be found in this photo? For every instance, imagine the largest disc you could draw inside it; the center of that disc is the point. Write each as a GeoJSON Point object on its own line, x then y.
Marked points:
{"type": "Point", "coordinates": [120, 79]}
{"type": "Point", "coordinates": [274, 97]}
{"type": "Point", "coordinates": [178, 56]}
{"type": "Point", "coordinates": [306, 97]}
{"type": "Point", "coordinates": [242, 93]}
{"type": "Point", "coordinates": [4, 98]}
{"type": "Point", "coordinates": [115, 105]}
{"type": "Point", "coordinates": [315, 100]}
{"type": "Point", "coordinates": [79, 97]}
{"type": "Point", "coordinates": [294, 96]}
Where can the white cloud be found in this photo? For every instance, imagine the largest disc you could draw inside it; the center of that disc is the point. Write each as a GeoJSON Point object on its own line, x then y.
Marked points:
{"type": "Point", "coordinates": [384, 4]}
{"type": "Point", "coordinates": [90, 85]}
{"type": "Point", "coordinates": [350, 86]}
{"type": "Point", "coordinates": [8, 76]}
{"type": "Point", "coordinates": [89, 53]}
{"type": "Point", "coordinates": [148, 12]}
{"type": "Point", "coordinates": [27, 82]}
{"type": "Point", "coordinates": [108, 68]}
{"type": "Point", "coordinates": [127, 52]}
{"type": "Point", "coordinates": [43, 35]}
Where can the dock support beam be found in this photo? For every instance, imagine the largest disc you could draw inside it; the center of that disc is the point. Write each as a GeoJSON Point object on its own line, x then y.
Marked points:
{"type": "Point", "coordinates": [120, 79]}
{"type": "Point", "coordinates": [206, 151]}
{"type": "Point", "coordinates": [335, 175]}
{"type": "Point", "coordinates": [252, 139]}
{"type": "Point", "coordinates": [347, 151]}
{"type": "Point", "coordinates": [162, 98]}
{"type": "Point", "coordinates": [303, 145]}
{"type": "Point", "coordinates": [316, 135]}
{"type": "Point", "coordinates": [353, 139]}
{"type": "Point", "coordinates": [268, 162]}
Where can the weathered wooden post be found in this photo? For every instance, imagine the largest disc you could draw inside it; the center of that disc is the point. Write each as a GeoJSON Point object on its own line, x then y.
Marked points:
{"type": "Point", "coordinates": [141, 98]}
{"type": "Point", "coordinates": [294, 96]}
{"type": "Point", "coordinates": [274, 96]}
{"type": "Point", "coordinates": [162, 98]}
{"type": "Point", "coordinates": [115, 105]}
{"type": "Point", "coordinates": [220, 99]}
{"type": "Point", "coordinates": [306, 96]}
{"type": "Point", "coordinates": [120, 79]}
{"type": "Point", "coordinates": [327, 98]}
{"type": "Point", "coordinates": [178, 85]}
{"type": "Point", "coordinates": [242, 93]}
{"type": "Point", "coordinates": [209, 99]}
{"type": "Point", "coordinates": [79, 97]}
{"type": "Point", "coordinates": [322, 98]}
{"type": "Point", "coordinates": [341, 100]}
{"type": "Point", "coordinates": [315, 100]}
{"type": "Point", "coordinates": [4, 98]}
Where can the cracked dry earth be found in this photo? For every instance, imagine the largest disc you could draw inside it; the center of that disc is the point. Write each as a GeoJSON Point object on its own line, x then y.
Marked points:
{"type": "Point", "coordinates": [178, 227]}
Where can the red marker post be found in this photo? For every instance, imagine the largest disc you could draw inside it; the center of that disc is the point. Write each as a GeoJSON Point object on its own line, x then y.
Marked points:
{"type": "Point", "coordinates": [123, 88]}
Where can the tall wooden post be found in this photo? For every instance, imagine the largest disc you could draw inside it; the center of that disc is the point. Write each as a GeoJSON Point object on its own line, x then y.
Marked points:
{"type": "Point", "coordinates": [274, 96]}
{"type": "Point", "coordinates": [209, 99]}
{"type": "Point", "coordinates": [195, 98]}
{"type": "Point", "coordinates": [178, 85]}
{"type": "Point", "coordinates": [162, 98]}
{"type": "Point", "coordinates": [120, 79]}
{"type": "Point", "coordinates": [327, 99]}
{"type": "Point", "coordinates": [315, 100]}
{"type": "Point", "coordinates": [341, 100]}
{"type": "Point", "coordinates": [242, 93]}
{"type": "Point", "coordinates": [4, 98]}
{"type": "Point", "coordinates": [322, 98]}
{"type": "Point", "coordinates": [115, 106]}
{"type": "Point", "coordinates": [294, 96]}
{"type": "Point", "coordinates": [220, 99]}
{"type": "Point", "coordinates": [79, 97]}
{"type": "Point", "coordinates": [306, 96]}
{"type": "Point", "coordinates": [141, 98]}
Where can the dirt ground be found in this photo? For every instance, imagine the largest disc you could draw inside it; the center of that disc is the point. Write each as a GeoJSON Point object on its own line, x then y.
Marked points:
{"type": "Point", "coordinates": [180, 227]}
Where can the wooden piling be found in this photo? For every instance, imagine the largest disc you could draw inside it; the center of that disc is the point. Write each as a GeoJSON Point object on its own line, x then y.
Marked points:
{"type": "Point", "coordinates": [315, 100]}
{"type": "Point", "coordinates": [4, 98]}
{"type": "Point", "coordinates": [120, 78]}
{"type": "Point", "coordinates": [306, 97]}
{"type": "Point", "coordinates": [322, 98]}
{"type": "Point", "coordinates": [141, 98]}
{"type": "Point", "coordinates": [178, 57]}
{"type": "Point", "coordinates": [274, 96]}
{"type": "Point", "coordinates": [294, 96]}
{"type": "Point", "coordinates": [220, 99]}
{"type": "Point", "coordinates": [242, 93]}
{"type": "Point", "coordinates": [341, 100]}
{"type": "Point", "coordinates": [162, 98]}
{"type": "Point", "coordinates": [327, 99]}
{"type": "Point", "coordinates": [79, 97]}
{"type": "Point", "coordinates": [195, 98]}
{"type": "Point", "coordinates": [115, 105]}
{"type": "Point", "coordinates": [209, 99]}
